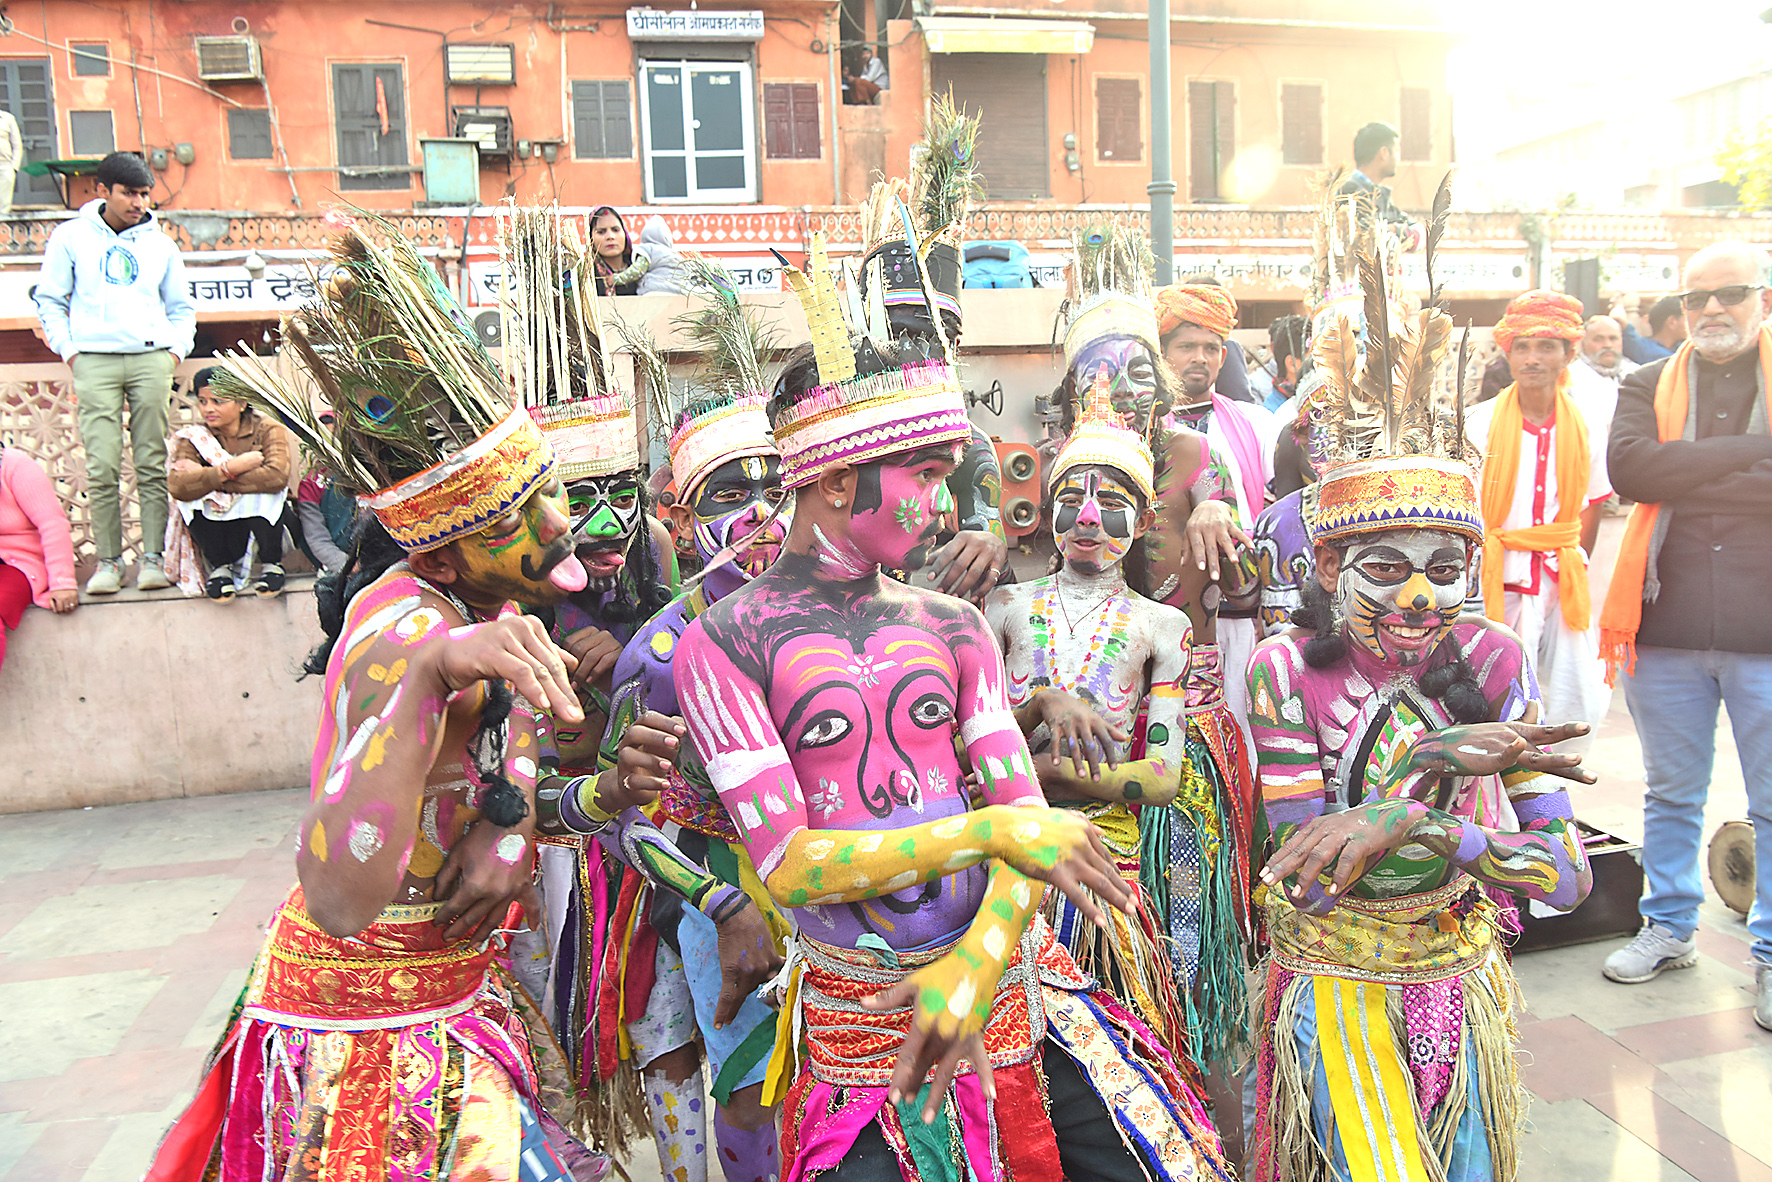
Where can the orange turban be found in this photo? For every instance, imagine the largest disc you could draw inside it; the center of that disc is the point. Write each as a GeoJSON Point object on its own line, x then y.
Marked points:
{"type": "Point", "coordinates": [1212, 308]}
{"type": "Point", "coordinates": [1539, 314]}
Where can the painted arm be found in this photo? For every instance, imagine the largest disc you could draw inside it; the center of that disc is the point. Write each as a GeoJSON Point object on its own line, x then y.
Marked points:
{"type": "Point", "coordinates": [1289, 764]}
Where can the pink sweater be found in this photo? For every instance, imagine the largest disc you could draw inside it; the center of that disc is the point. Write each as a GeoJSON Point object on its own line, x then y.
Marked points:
{"type": "Point", "coordinates": [33, 527]}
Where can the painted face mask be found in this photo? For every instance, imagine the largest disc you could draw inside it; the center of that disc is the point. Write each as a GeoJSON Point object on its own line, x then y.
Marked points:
{"type": "Point", "coordinates": [1094, 517]}
{"type": "Point", "coordinates": [527, 556]}
{"type": "Point", "coordinates": [1400, 591]}
{"type": "Point", "coordinates": [898, 507]}
{"type": "Point", "coordinates": [610, 508]}
{"type": "Point", "coordinates": [1131, 373]}
{"type": "Point", "coordinates": [735, 499]}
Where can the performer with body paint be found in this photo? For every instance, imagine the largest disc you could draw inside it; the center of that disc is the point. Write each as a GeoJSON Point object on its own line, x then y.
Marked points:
{"type": "Point", "coordinates": [1402, 774]}
{"type": "Point", "coordinates": [376, 1036]}
{"type": "Point", "coordinates": [827, 701]}
{"type": "Point", "coordinates": [1088, 661]}
{"type": "Point", "coordinates": [710, 932]}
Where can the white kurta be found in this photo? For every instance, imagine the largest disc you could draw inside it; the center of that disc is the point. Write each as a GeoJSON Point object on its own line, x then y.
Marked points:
{"type": "Point", "coordinates": [1571, 676]}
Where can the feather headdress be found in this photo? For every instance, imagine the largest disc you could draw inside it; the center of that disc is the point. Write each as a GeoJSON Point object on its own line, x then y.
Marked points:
{"type": "Point", "coordinates": [945, 185]}
{"type": "Point", "coordinates": [1110, 291]}
{"type": "Point", "coordinates": [556, 345]}
{"type": "Point", "coordinates": [422, 424]}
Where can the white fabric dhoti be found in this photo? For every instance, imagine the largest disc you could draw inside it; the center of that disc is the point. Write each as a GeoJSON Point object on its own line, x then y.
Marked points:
{"type": "Point", "coordinates": [1571, 676]}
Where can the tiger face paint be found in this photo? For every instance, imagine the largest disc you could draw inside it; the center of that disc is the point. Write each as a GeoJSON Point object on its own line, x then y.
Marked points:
{"type": "Point", "coordinates": [611, 508]}
{"type": "Point", "coordinates": [1399, 592]}
{"type": "Point", "coordinates": [1097, 514]}
{"type": "Point", "coordinates": [732, 503]}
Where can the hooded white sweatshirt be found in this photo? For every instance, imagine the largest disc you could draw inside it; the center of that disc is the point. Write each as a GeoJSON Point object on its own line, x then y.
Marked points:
{"type": "Point", "coordinates": [105, 292]}
{"type": "Point", "coordinates": [662, 257]}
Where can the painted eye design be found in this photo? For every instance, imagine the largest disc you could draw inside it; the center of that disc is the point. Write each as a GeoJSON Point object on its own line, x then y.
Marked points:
{"type": "Point", "coordinates": [824, 729]}
{"type": "Point", "coordinates": [931, 710]}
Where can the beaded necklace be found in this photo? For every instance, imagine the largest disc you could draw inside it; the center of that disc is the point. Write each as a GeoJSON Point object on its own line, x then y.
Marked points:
{"type": "Point", "coordinates": [1106, 640]}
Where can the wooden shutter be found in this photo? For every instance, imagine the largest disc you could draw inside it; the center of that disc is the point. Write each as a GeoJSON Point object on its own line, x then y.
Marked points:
{"type": "Point", "coordinates": [790, 121]}
{"type": "Point", "coordinates": [1212, 136]}
{"type": "Point", "coordinates": [1119, 109]}
{"type": "Point", "coordinates": [602, 120]}
{"type": "Point", "coordinates": [361, 142]}
{"type": "Point", "coordinates": [1009, 91]}
{"type": "Point", "coordinates": [1415, 128]}
{"type": "Point", "coordinates": [1301, 123]}
{"type": "Point", "coordinates": [249, 134]}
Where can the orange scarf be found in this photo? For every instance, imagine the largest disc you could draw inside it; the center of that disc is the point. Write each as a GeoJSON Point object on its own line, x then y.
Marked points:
{"type": "Point", "coordinates": [1623, 612]}
{"type": "Point", "coordinates": [1501, 467]}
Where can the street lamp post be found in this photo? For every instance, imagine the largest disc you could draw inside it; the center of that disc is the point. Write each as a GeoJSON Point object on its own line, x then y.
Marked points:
{"type": "Point", "coordinates": [1162, 186]}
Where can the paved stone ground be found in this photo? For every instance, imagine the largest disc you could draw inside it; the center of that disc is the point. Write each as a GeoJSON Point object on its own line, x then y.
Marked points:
{"type": "Point", "coordinates": [126, 932]}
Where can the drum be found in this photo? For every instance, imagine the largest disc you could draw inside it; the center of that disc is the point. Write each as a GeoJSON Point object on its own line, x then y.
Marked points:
{"type": "Point", "coordinates": [1731, 860]}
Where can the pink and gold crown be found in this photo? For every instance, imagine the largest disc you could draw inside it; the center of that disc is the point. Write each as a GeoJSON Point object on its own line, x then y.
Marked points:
{"type": "Point", "coordinates": [870, 417]}
{"type": "Point", "coordinates": [1396, 492]}
{"type": "Point", "coordinates": [1110, 314]}
{"type": "Point", "coordinates": [704, 442]}
{"type": "Point", "coordinates": [1099, 437]}
{"type": "Point", "coordinates": [465, 492]}
{"type": "Point", "coordinates": [596, 436]}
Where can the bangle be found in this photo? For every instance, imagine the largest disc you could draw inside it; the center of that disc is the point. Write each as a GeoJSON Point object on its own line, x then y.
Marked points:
{"type": "Point", "coordinates": [574, 813]}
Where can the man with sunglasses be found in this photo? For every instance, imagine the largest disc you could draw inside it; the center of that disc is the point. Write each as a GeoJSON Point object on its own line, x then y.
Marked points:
{"type": "Point", "coordinates": [1690, 443]}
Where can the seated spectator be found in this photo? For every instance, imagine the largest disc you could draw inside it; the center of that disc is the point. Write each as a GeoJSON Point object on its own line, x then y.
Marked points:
{"type": "Point", "coordinates": [873, 68]}
{"type": "Point", "coordinates": [618, 269]}
{"type": "Point", "coordinates": [36, 549]}
{"type": "Point", "coordinates": [229, 482]}
{"type": "Point", "coordinates": [663, 260]}
{"type": "Point", "coordinates": [327, 518]}
{"type": "Point", "coordinates": [858, 90]}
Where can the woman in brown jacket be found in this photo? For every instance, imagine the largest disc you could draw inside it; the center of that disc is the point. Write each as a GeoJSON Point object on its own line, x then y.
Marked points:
{"type": "Point", "coordinates": [229, 483]}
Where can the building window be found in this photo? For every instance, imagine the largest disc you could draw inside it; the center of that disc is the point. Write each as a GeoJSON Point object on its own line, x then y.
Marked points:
{"type": "Point", "coordinates": [92, 133]}
{"type": "Point", "coordinates": [1415, 127]}
{"type": "Point", "coordinates": [790, 121]}
{"type": "Point", "coordinates": [602, 120]}
{"type": "Point", "coordinates": [1301, 123]}
{"type": "Point", "coordinates": [369, 105]}
{"type": "Point", "coordinates": [1212, 136]}
{"type": "Point", "coordinates": [1119, 114]}
{"type": "Point", "coordinates": [91, 59]}
{"type": "Point", "coordinates": [249, 134]}
{"type": "Point", "coordinates": [698, 131]}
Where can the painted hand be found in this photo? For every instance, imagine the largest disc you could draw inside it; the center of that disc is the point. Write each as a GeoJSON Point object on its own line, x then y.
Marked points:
{"type": "Point", "coordinates": [596, 652]}
{"type": "Point", "coordinates": [1212, 530]}
{"type": "Point", "coordinates": [939, 1039]}
{"type": "Point", "coordinates": [517, 649]}
{"type": "Point", "coordinates": [1080, 733]}
{"type": "Point", "coordinates": [1352, 842]}
{"type": "Point", "coordinates": [643, 762]}
{"type": "Point", "coordinates": [969, 564]}
{"type": "Point", "coordinates": [747, 959]}
{"type": "Point", "coordinates": [485, 872]}
{"type": "Point", "coordinates": [1059, 847]}
{"type": "Point", "coordinates": [1490, 748]}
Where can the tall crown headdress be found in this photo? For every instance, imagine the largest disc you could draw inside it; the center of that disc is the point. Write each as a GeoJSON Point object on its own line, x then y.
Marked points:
{"type": "Point", "coordinates": [1394, 453]}
{"type": "Point", "coordinates": [422, 428]}
{"type": "Point", "coordinates": [1110, 289]}
{"type": "Point", "coordinates": [556, 347]}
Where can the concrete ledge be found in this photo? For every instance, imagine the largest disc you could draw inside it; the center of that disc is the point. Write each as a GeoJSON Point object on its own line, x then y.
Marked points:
{"type": "Point", "coordinates": [149, 696]}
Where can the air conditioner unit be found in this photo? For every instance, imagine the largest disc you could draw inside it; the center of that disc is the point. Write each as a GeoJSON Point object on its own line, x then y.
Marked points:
{"type": "Point", "coordinates": [229, 59]}
{"type": "Point", "coordinates": [482, 65]}
{"type": "Point", "coordinates": [490, 127]}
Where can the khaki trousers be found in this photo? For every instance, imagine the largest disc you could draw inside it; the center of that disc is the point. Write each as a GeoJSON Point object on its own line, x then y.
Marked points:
{"type": "Point", "coordinates": [105, 383]}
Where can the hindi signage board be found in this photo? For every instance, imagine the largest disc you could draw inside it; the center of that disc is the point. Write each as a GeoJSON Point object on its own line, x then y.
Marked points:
{"type": "Point", "coordinates": [651, 24]}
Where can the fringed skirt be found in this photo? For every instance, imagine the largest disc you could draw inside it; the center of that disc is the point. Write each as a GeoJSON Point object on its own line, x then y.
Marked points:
{"type": "Point", "coordinates": [1387, 1039]}
{"type": "Point", "coordinates": [390, 1055]}
{"type": "Point", "coordinates": [847, 1055]}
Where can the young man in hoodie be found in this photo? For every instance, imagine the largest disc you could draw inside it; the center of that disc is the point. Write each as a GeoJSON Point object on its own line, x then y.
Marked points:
{"type": "Point", "coordinates": [113, 303]}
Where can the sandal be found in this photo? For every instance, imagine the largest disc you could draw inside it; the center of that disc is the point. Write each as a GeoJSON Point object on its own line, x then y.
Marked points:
{"type": "Point", "coordinates": [270, 582]}
{"type": "Point", "coordinates": [220, 586]}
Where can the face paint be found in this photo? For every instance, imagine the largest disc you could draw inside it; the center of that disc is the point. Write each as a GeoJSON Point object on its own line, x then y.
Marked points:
{"type": "Point", "coordinates": [898, 507]}
{"type": "Point", "coordinates": [1131, 373]}
{"type": "Point", "coordinates": [611, 509]}
{"type": "Point", "coordinates": [1400, 591]}
{"type": "Point", "coordinates": [1094, 517]}
{"type": "Point", "coordinates": [527, 556]}
{"type": "Point", "coordinates": [729, 506]}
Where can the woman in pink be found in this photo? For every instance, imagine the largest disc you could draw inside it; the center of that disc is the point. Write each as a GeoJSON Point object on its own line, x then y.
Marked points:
{"type": "Point", "coordinates": [36, 549]}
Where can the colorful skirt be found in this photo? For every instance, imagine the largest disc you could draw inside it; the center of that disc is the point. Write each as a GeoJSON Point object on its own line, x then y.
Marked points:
{"type": "Point", "coordinates": [847, 1055]}
{"type": "Point", "coordinates": [389, 1055]}
{"type": "Point", "coordinates": [1387, 1038]}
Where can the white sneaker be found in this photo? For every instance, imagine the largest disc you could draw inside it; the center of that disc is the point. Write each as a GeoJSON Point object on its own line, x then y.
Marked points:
{"type": "Point", "coordinates": [107, 579]}
{"type": "Point", "coordinates": [1653, 950]}
{"type": "Point", "coordinates": [1763, 1003]}
{"type": "Point", "coordinates": [152, 575]}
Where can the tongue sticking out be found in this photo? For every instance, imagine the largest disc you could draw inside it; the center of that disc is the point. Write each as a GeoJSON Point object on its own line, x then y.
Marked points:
{"type": "Point", "coordinates": [605, 563]}
{"type": "Point", "coordinates": [569, 575]}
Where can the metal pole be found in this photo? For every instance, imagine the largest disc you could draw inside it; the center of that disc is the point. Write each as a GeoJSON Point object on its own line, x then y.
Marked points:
{"type": "Point", "coordinates": [1162, 186]}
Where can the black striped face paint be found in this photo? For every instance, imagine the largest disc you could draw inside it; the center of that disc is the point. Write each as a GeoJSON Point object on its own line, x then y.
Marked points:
{"type": "Point", "coordinates": [1094, 517]}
